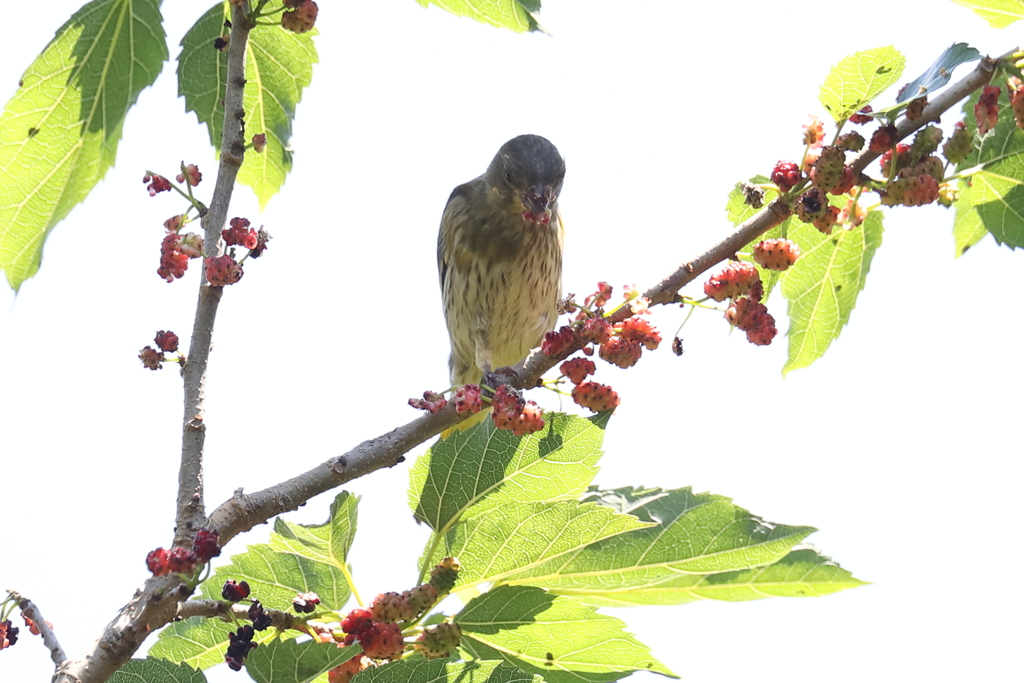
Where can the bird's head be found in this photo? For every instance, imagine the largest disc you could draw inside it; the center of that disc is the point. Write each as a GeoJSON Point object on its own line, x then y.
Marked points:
{"type": "Point", "coordinates": [528, 172]}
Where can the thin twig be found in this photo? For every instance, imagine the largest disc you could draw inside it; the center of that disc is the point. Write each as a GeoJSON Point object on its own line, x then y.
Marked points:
{"type": "Point", "coordinates": [217, 609]}
{"type": "Point", "coordinates": [30, 610]}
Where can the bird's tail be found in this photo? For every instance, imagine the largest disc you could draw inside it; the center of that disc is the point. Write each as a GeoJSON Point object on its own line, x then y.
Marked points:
{"type": "Point", "coordinates": [466, 424]}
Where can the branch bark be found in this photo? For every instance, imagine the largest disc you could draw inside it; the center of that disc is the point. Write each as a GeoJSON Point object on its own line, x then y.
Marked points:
{"type": "Point", "coordinates": [191, 509]}
{"type": "Point", "coordinates": [29, 610]}
{"type": "Point", "coordinates": [157, 602]}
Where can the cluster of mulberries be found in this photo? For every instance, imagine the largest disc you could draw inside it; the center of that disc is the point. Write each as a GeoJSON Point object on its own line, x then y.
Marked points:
{"type": "Point", "coordinates": [621, 344]}
{"type": "Point", "coordinates": [741, 282]}
{"type": "Point", "coordinates": [378, 629]}
{"type": "Point", "coordinates": [513, 412]}
{"type": "Point", "coordinates": [166, 342]}
{"type": "Point", "coordinates": [182, 560]}
{"type": "Point", "coordinates": [176, 249]}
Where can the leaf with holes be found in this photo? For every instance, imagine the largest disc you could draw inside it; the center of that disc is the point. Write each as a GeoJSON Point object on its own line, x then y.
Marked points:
{"type": "Point", "coordinates": [858, 79]}
{"type": "Point", "coordinates": [60, 131]}
{"type": "Point", "coordinates": [822, 286]}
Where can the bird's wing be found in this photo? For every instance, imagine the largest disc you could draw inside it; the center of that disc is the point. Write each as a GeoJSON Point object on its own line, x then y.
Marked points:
{"type": "Point", "coordinates": [454, 213]}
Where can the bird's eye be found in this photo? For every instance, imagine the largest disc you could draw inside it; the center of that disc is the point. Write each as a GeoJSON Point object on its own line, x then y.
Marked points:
{"type": "Point", "coordinates": [508, 176]}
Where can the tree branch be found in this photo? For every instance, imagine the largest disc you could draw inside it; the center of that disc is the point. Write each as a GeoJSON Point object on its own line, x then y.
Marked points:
{"type": "Point", "coordinates": [29, 610]}
{"type": "Point", "coordinates": [191, 510]}
{"type": "Point", "coordinates": [157, 602]}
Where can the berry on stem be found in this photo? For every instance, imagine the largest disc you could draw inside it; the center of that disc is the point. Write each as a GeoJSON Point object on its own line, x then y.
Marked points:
{"type": "Point", "coordinates": [776, 254]}
{"type": "Point", "coordinates": [595, 397]}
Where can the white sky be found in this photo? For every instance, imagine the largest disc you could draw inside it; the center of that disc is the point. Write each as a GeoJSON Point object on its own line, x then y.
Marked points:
{"type": "Point", "coordinates": [901, 445]}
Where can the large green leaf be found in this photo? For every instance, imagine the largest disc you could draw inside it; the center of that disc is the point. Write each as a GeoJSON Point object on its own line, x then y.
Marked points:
{"type": "Point", "coordinates": [420, 670]}
{"type": "Point", "coordinates": [152, 670]}
{"type": "Point", "coordinates": [556, 637]}
{"type": "Point", "coordinates": [516, 15]}
{"type": "Point", "coordinates": [286, 661]}
{"type": "Point", "coordinates": [59, 133]}
{"type": "Point", "coordinates": [201, 642]}
{"type": "Point", "coordinates": [998, 13]}
{"type": "Point", "coordinates": [995, 175]}
{"type": "Point", "coordinates": [278, 65]}
{"type": "Point", "coordinates": [858, 79]}
{"type": "Point", "coordinates": [475, 471]}
{"type": "Point", "coordinates": [822, 286]}
{"type": "Point", "coordinates": [800, 574]}
{"type": "Point", "coordinates": [513, 540]}
{"type": "Point", "coordinates": [693, 534]}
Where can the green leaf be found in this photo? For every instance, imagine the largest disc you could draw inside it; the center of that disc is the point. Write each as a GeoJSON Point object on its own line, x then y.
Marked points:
{"type": "Point", "coordinates": [329, 542]}
{"type": "Point", "coordinates": [298, 559]}
{"type": "Point", "coordinates": [442, 671]}
{"type": "Point", "coordinates": [555, 637]}
{"type": "Point", "coordinates": [800, 574]}
{"type": "Point", "coordinates": [514, 539]}
{"type": "Point", "coordinates": [693, 534]}
{"type": "Point", "coordinates": [482, 468]}
{"type": "Point", "coordinates": [858, 79]}
{"type": "Point", "coordinates": [287, 661]}
{"type": "Point", "coordinates": [515, 15]}
{"type": "Point", "coordinates": [822, 286]}
{"type": "Point", "coordinates": [201, 642]}
{"type": "Point", "coordinates": [278, 65]}
{"type": "Point", "coordinates": [998, 13]}
{"type": "Point", "coordinates": [995, 171]}
{"type": "Point", "coordinates": [939, 73]}
{"type": "Point", "coordinates": [738, 211]}
{"type": "Point", "coordinates": [968, 229]}
{"type": "Point", "coordinates": [59, 133]}
{"type": "Point", "coordinates": [152, 670]}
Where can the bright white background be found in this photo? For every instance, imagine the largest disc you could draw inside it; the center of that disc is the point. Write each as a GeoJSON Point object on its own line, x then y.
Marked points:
{"type": "Point", "coordinates": [902, 444]}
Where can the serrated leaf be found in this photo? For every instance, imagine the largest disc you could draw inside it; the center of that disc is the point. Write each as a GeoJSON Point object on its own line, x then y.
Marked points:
{"type": "Point", "coordinates": [278, 65]}
{"type": "Point", "coordinates": [822, 286]}
{"type": "Point", "coordinates": [442, 671]}
{"type": "Point", "coordinates": [201, 642]}
{"type": "Point", "coordinates": [329, 542]}
{"type": "Point", "coordinates": [59, 133]}
{"type": "Point", "coordinates": [152, 670]}
{"type": "Point", "coordinates": [475, 471]}
{"type": "Point", "coordinates": [995, 171]}
{"type": "Point", "coordinates": [939, 73]}
{"type": "Point", "coordinates": [858, 79]}
{"type": "Point", "coordinates": [998, 13]}
{"type": "Point", "coordinates": [514, 539]}
{"type": "Point", "coordinates": [287, 661]}
{"type": "Point", "coordinates": [800, 574]}
{"type": "Point", "coordinates": [738, 211]}
{"type": "Point", "coordinates": [694, 534]}
{"type": "Point", "coordinates": [515, 15]}
{"type": "Point", "coordinates": [556, 637]}
{"type": "Point", "coordinates": [968, 229]}
{"type": "Point", "coordinates": [298, 559]}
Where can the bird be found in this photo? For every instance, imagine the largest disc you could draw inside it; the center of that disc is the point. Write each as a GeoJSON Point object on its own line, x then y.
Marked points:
{"type": "Point", "coordinates": [499, 260]}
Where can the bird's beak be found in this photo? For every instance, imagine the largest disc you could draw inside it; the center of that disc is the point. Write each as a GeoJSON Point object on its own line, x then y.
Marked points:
{"type": "Point", "coordinates": [537, 201]}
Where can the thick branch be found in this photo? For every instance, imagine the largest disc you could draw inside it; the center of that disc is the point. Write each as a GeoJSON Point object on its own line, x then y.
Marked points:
{"type": "Point", "coordinates": [191, 510]}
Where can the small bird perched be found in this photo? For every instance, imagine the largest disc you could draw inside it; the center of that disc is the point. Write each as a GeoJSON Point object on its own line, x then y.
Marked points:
{"type": "Point", "coordinates": [499, 257]}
